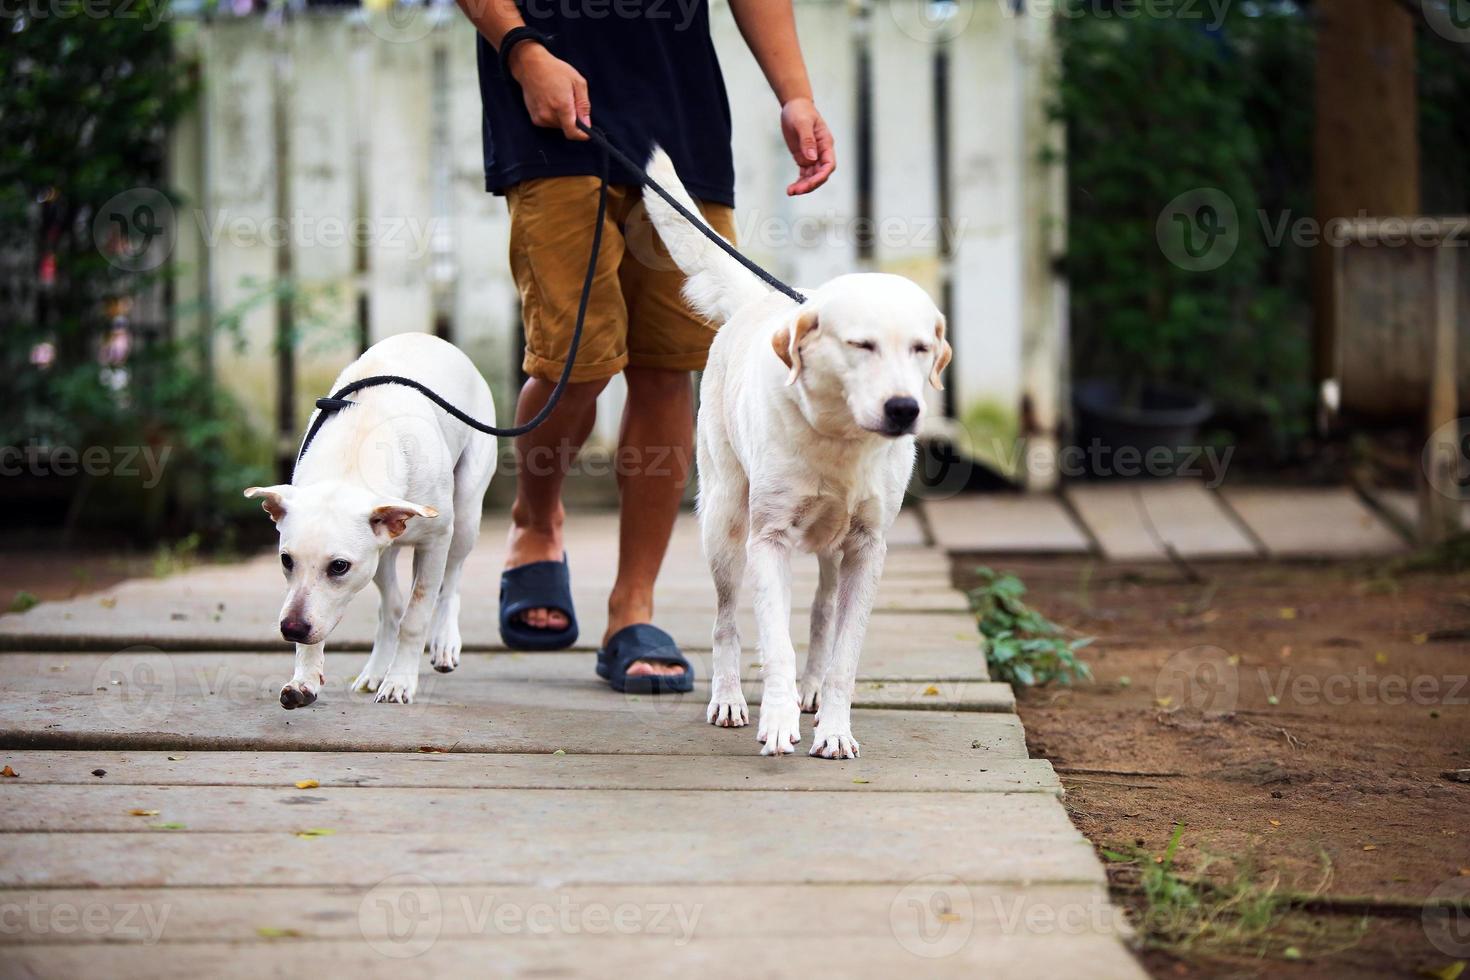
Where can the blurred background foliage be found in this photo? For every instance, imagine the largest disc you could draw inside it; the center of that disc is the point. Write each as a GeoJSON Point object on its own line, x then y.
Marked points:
{"type": "Point", "coordinates": [1155, 107]}
{"type": "Point", "coordinates": [90, 358]}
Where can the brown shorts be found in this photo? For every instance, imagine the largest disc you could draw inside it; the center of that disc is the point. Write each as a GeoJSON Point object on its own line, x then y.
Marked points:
{"type": "Point", "coordinates": [636, 314]}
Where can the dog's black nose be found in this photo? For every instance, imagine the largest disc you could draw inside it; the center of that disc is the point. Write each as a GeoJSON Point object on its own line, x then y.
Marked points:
{"type": "Point", "coordinates": [295, 630]}
{"type": "Point", "coordinates": [899, 414]}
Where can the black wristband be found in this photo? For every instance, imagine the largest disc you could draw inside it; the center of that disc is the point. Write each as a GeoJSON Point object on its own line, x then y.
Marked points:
{"type": "Point", "coordinates": [513, 37]}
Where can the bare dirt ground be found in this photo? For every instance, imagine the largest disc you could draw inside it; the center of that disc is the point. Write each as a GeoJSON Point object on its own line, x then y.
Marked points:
{"type": "Point", "coordinates": [47, 575]}
{"type": "Point", "coordinates": [1297, 721]}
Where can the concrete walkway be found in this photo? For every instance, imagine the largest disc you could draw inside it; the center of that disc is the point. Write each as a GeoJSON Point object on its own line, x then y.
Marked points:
{"type": "Point", "coordinates": [168, 818]}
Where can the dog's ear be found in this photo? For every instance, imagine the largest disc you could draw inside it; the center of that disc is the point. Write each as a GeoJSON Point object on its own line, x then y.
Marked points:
{"type": "Point", "coordinates": [942, 353]}
{"type": "Point", "coordinates": [273, 499]}
{"type": "Point", "coordinates": [392, 517]}
{"type": "Point", "coordinates": [787, 341]}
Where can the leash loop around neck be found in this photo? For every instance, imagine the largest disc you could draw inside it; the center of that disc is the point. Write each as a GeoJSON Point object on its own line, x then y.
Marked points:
{"type": "Point", "coordinates": [327, 407]}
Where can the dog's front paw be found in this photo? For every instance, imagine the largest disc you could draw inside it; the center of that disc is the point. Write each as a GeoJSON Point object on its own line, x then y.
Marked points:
{"type": "Point", "coordinates": [780, 727]}
{"type": "Point", "coordinates": [727, 708]}
{"type": "Point", "coordinates": [298, 694]}
{"type": "Point", "coordinates": [444, 648]}
{"type": "Point", "coordinates": [397, 688]}
{"type": "Point", "coordinates": [834, 742]}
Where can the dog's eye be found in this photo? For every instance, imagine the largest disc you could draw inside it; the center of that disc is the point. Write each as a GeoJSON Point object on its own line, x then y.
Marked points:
{"type": "Point", "coordinates": [921, 348]}
{"type": "Point", "coordinates": [286, 562]}
{"type": "Point", "coordinates": [866, 345]}
{"type": "Point", "coordinates": [338, 567]}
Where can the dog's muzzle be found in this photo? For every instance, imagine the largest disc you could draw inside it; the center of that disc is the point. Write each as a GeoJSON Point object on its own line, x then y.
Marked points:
{"type": "Point", "coordinates": [899, 416]}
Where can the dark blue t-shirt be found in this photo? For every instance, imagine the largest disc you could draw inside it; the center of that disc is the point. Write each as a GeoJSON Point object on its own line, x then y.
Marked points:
{"type": "Point", "coordinates": [652, 76]}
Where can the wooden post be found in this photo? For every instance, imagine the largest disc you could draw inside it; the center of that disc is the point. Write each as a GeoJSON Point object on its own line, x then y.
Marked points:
{"type": "Point", "coordinates": [1439, 509]}
{"type": "Point", "coordinates": [1366, 140]}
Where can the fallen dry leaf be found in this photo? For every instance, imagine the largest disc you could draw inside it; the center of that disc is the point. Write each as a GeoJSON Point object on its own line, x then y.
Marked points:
{"type": "Point", "coordinates": [311, 832]}
{"type": "Point", "coordinates": [1380, 657]}
{"type": "Point", "coordinates": [1287, 612]}
{"type": "Point", "coordinates": [1276, 823]}
{"type": "Point", "coordinates": [166, 826]}
{"type": "Point", "coordinates": [931, 691]}
{"type": "Point", "coordinates": [861, 782]}
{"type": "Point", "coordinates": [307, 784]}
{"type": "Point", "coordinates": [1370, 847]}
{"type": "Point", "coordinates": [9, 773]}
{"type": "Point", "coordinates": [142, 813]}
{"type": "Point", "coordinates": [109, 603]}
{"type": "Point", "coordinates": [276, 932]}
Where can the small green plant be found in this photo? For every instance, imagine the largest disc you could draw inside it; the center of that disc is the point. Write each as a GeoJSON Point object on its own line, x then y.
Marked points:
{"type": "Point", "coordinates": [23, 600]}
{"type": "Point", "coordinates": [174, 557]}
{"type": "Point", "coordinates": [1022, 646]}
{"type": "Point", "coordinates": [1225, 907]}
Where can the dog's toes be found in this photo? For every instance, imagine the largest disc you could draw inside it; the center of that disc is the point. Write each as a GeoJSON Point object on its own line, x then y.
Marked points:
{"type": "Point", "coordinates": [780, 728]}
{"type": "Point", "coordinates": [728, 714]}
{"type": "Point", "coordinates": [396, 690]}
{"type": "Point", "coordinates": [835, 747]}
{"type": "Point", "coordinates": [366, 683]}
{"type": "Point", "coordinates": [296, 696]}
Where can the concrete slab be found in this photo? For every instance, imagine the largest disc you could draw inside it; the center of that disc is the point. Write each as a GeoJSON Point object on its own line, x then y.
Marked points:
{"type": "Point", "coordinates": [1404, 505]}
{"type": "Point", "coordinates": [567, 680]}
{"type": "Point", "coordinates": [694, 913]}
{"type": "Point", "coordinates": [654, 843]}
{"type": "Point", "coordinates": [1005, 524]}
{"type": "Point", "coordinates": [250, 718]}
{"type": "Point", "coordinates": [248, 621]}
{"type": "Point", "coordinates": [964, 955]}
{"type": "Point", "coordinates": [869, 774]}
{"type": "Point", "coordinates": [1295, 522]}
{"type": "Point", "coordinates": [1130, 520]}
{"type": "Point", "coordinates": [554, 818]}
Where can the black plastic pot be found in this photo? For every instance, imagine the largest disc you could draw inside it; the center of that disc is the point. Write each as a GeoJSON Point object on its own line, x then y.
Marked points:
{"type": "Point", "coordinates": [1156, 436]}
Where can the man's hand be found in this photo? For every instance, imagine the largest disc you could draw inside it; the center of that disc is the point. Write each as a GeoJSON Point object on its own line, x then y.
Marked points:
{"type": "Point", "coordinates": [810, 143]}
{"type": "Point", "coordinates": [556, 93]}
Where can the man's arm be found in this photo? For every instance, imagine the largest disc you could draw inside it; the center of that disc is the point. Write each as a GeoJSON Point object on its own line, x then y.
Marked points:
{"type": "Point", "coordinates": [769, 29]}
{"type": "Point", "coordinates": [555, 92]}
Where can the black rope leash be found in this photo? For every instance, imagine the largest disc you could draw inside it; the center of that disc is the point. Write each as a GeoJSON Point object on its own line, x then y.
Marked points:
{"type": "Point", "coordinates": [600, 138]}
{"type": "Point", "coordinates": [327, 407]}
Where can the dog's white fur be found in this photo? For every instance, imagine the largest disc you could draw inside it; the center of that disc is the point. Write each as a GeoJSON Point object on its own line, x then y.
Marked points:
{"type": "Point", "coordinates": [393, 471]}
{"type": "Point", "coordinates": [794, 454]}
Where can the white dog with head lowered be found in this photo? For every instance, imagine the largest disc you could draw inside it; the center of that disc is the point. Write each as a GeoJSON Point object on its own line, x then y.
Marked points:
{"type": "Point", "coordinates": [392, 471]}
{"type": "Point", "coordinates": [806, 441]}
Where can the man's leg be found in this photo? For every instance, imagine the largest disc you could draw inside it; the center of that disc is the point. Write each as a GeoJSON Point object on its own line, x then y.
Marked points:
{"type": "Point", "coordinates": [543, 457]}
{"type": "Point", "coordinates": [655, 448]}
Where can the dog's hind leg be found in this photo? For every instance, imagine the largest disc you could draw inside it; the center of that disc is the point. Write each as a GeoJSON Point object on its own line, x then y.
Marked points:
{"type": "Point", "coordinates": [722, 522]}
{"type": "Point", "coordinates": [819, 650]}
{"type": "Point", "coordinates": [471, 480]}
{"type": "Point", "coordinates": [390, 612]}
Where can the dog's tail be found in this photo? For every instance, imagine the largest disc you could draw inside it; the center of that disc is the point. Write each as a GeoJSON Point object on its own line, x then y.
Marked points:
{"type": "Point", "coordinates": [717, 286]}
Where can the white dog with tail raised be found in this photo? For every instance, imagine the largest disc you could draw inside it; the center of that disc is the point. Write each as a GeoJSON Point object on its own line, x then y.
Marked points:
{"type": "Point", "coordinates": [392, 471]}
{"type": "Point", "coordinates": [807, 417]}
